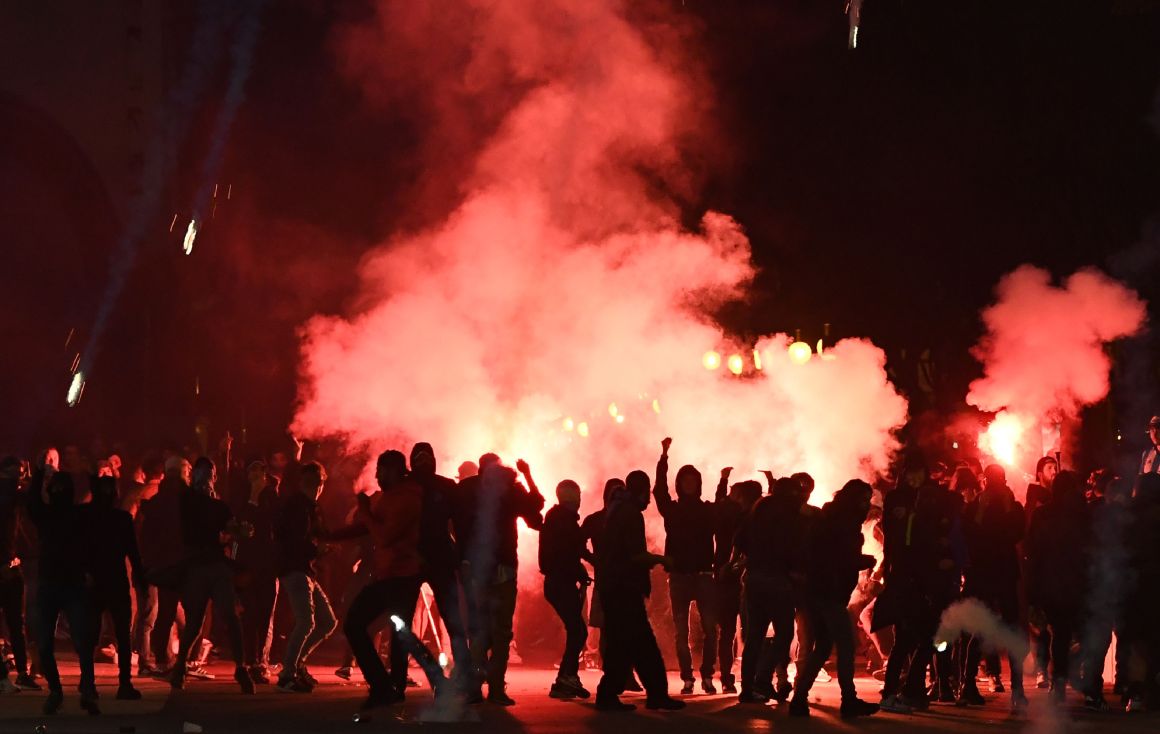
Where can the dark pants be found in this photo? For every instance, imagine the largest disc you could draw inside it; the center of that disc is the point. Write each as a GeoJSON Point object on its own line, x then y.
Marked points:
{"type": "Point", "coordinates": [768, 600]}
{"type": "Point", "coordinates": [445, 585]}
{"type": "Point", "coordinates": [392, 597]}
{"type": "Point", "coordinates": [258, 601]}
{"type": "Point", "coordinates": [913, 644]}
{"type": "Point", "coordinates": [684, 589]}
{"type": "Point", "coordinates": [144, 621]}
{"type": "Point", "coordinates": [728, 612]}
{"type": "Point", "coordinates": [113, 597]}
{"type": "Point", "coordinates": [1005, 603]}
{"type": "Point", "coordinates": [631, 644]}
{"type": "Point", "coordinates": [1063, 623]}
{"type": "Point", "coordinates": [831, 627]}
{"type": "Point", "coordinates": [567, 597]}
{"type": "Point", "coordinates": [206, 582]}
{"type": "Point", "coordinates": [495, 609]}
{"type": "Point", "coordinates": [72, 600]}
{"type": "Point", "coordinates": [166, 617]}
{"type": "Point", "coordinates": [12, 604]}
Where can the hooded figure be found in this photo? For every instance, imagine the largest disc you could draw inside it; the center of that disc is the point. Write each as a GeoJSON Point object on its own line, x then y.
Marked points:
{"type": "Point", "coordinates": [12, 582]}
{"type": "Point", "coordinates": [563, 547]}
{"type": "Point", "coordinates": [112, 540]}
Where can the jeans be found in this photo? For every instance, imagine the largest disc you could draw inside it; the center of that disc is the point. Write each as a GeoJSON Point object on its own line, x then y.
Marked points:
{"type": "Point", "coordinates": [445, 585]}
{"type": "Point", "coordinates": [313, 620]}
{"type": "Point", "coordinates": [12, 604]}
{"type": "Point", "coordinates": [166, 614]}
{"type": "Point", "coordinates": [831, 628]}
{"type": "Point", "coordinates": [495, 609]}
{"type": "Point", "coordinates": [567, 596]}
{"type": "Point", "coordinates": [55, 598]}
{"type": "Point", "coordinates": [393, 597]}
{"type": "Point", "coordinates": [630, 644]}
{"type": "Point", "coordinates": [768, 600]}
{"type": "Point", "coordinates": [206, 582]}
{"type": "Point", "coordinates": [143, 622]}
{"type": "Point", "coordinates": [684, 589]}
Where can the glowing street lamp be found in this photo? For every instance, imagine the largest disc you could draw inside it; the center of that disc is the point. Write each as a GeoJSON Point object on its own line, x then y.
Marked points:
{"type": "Point", "coordinates": [711, 360]}
{"type": "Point", "coordinates": [736, 364]}
{"type": "Point", "coordinates": [756, 359]}
{"type": "Point", "coordinates": [800, 352]}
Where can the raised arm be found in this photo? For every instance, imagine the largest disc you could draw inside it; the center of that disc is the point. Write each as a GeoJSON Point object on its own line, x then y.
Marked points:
{"type": "Point", "coordinates": [530, 503]}
{"type": "Point", "coordinates": [661, 485]}
{"type": "Point", "coordinates": [723, 485]}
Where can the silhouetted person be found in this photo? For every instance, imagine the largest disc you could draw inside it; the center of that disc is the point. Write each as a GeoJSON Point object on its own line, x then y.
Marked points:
{"type": "Point", "coordinates": [833, 565]}
{"type": "Point", "coordinates": [12, 582]}
{"type": "Point", "coordinates": [206, 523]}
{"type": "Point", "coordinates": [256, 569]}
{"type": "Point", "coordinates": [732, 505]}
{"type": "Point", "coordinates": [111, 541]}
{"type": "Point", "coordinates": [622, 578]}
{"type": "Point", "coordinates": [1141, 634]}
{"type": "Point", "coordinates": [1058, 552]}
{"type": "Point", "coordinates": [162, 549]}
{"type": "Point", "coordinates": [63, 583]}
{"type": "Point", "coordinates": [439, 553]}
{"type": "Point", "coordinates": [392, 517]}
{"type": "Point", "coordinates": [297, 533]}
{"type": "Point", "coordinates": [1038, 494]}
{"type": "Point", "coordinates": [993, 525]}
{"type": "Point", "coordinates": [689, 529]}
{"type": "Point", "coordinates": [1150, 460]}
{"type": "Point", "coordinates": [563, 547]}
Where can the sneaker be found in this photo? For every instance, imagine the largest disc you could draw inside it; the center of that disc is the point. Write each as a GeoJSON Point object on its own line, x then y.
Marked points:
{"type": "Point", "coordinates": [612, 704]}
{"type": "Point", "coordinates": [126, 692]}
{"type": "Point", "coordinates": [106, 654]}
{"type": "Point", "coordinates": [856, 707]}
{"type": "Point", "coordinates": [147, 671]}
{"type": "Point", "coordinates": [728, 686]}
{"type": "Point", "coordinates": [258, 675]}
{"type": "Point", "coordinates": [499, 697]}
{"type": "Point", "coordinates": [1095, 703]}
{"type": "Point", "coordinates": [378, 699]}
{"type": "Point", "coordinates": [1041, 681]}
{"type": "Point", "coordinates": [633, 685]}
{"type": "Point", "coordinates": [752, 697]}
{"type": "Point", "coordinates": [27, 683]}
{"type": "Point", "coordinates": [291, 685]}
{"type": "Point", "coordinates": [917, 703]}
{"type": "Point", "coordinates": [799, 707]}
{"type": "Point", "coordinates": [89, 702]}
{"type": "Point", "coordinates": [823, 676]}
{"type": "Point", "coordinates": [242, 676]}
{"type": "Point", "coordinates": [970, 696]}
{"type": "Point", "coordinates": [687, 689]}
{"type": "Point", "coordinates": [305, 677]}
{"type": "Point", "coordinates": [53, 703]}
{"type": "Point", "coordinates": [573, 681]}
{"type": "Point", "coordinates": [475, 695]}
{"type": "Point", "coordinates": [561, 691]}
{"type": "Point", "coordinates": [1019, 702]}
{"type": "Point", "coordinates": [879, 675]}
{"type": "Point", "coordinates": [200, 672]}
{"type": "Point", "coordinates": [997, 684]}
{"type": "Point", "coordinates": [667, 703]}
{"type": "Point", "coordinates": [344, 672]}
{"type": "Point", "coordinates": [895, 705]}
{"type": "Point", "coordinates": [781, 695]}
{"type": "Point", "coordinates": [707, 686]}
{"type": "Point", "coordinates": [7, 686]}
{"type": "Point", "coordinates": [412, 683]}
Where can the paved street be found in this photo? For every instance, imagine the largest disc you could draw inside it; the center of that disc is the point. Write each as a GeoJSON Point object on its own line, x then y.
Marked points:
{"type": "Point", "coordinates": [218, 708]}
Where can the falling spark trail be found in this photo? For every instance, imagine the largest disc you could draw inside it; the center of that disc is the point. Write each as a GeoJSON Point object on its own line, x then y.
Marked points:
{"type": "Point", "coordinates": [190, 236]}
{"type": "Point", "coordinates": [76, 389]}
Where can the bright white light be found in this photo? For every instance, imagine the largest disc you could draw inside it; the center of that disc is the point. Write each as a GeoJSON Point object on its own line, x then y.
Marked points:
{"type": "Point", "coordinates": [398, 622]}
{"type": "Point", "coordinates": [620, 419]}
{"type": "Point", "coordinates": [800, 352]}
{"type": "Point", "coordinates": [656, 406]}
{"type": "Point", "coordinates": [76, 389]}
{"type": "Point", "coordinates": [190, 236]}
{"type": "Point", "coordinates": [582, 429]}
{"type": "Point", "coordinates": [443, 660]}
{"type": "Point", "coordinates": [613, 410]}
{"type": "Point", "coordinates": [736, 364]}
{"type": "Point", "coordinates": [756, 359]}
{"type": "Point", "coordinates": [711, 360]}
{"type": "Point", "coordinates": [569, 424]}
{"type": "Point", "coordinates": [941, 646]}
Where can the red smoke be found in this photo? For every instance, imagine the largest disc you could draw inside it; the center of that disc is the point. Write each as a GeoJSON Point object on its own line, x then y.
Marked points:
{"type": "Point", "coordinates": [562, 281]}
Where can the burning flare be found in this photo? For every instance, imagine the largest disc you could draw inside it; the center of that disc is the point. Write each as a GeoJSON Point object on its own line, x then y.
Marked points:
{"type": "Point", "coordinates": [190, 236]}
{"type": "Point", "coordinates": [76, 389]}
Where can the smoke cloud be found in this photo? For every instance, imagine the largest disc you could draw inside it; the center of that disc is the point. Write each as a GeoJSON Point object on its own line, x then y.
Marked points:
{"type": "Point", "coordinates": [1043, 352]}
{"type": "Point", "coordinates": [972, 617]}
{"type": "Point", "coordinates": [560, 313]}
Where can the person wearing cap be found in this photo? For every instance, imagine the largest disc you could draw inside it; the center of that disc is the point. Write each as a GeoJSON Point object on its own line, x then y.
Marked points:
{"type": "Point", "coordinates": [1150, 461]}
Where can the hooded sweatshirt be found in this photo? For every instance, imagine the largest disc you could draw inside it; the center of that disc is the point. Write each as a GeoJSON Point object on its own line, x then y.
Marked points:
{"type": "Point", "coordinates": [690, 522]}
{"type": "Point", "coordinates": [436, 545]}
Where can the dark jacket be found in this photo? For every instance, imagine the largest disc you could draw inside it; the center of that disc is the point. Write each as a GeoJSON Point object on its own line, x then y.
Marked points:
{"type": "Point", "coordinates": [836, 559]}
{"type": "Point", "coordinates": [111, 539]}
{"type": "Point", "coordinates": [563, 545]}
{"type": "Point", "coordinates": [203, 520]}
{"type": "Point", "coordinates": [296, 534]}
{"type": "Point", "coordinates": [993, 524]}
{"type": "Point", "coordinates": [773, 536]}
{"type": "Point", "coordinates": [158, 528]}
{"type": "Point", "coordinates": [1058, 551]}
{"type": "Point", "coordinates": [690, 523]}
{"type": "Point", "coordinates": [622, 565]}
{"type": "Point", "coordinates": [10, 501]}
{"type": "Point", "coordinates": [495, 502]}
{"type": "Point", "coordinates": [64, 559]}
{"type": "Point", "coordinates": [258, 553]}
{"type": "Point", "coordinates": [923, 545]}
{"type": "Point", "coordinates": [436, 544]}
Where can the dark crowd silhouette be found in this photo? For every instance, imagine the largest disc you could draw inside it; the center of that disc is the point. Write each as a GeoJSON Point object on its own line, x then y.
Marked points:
{"type": "Point", "coordinates": [151, 566]}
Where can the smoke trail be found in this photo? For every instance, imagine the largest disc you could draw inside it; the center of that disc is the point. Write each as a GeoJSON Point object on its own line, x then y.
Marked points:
{"type": "Point", "coordinates": [1043, 353]}
{"type": "Point", "coordinates": [562, 292]}
{"type": "Point", "coordinates": [171, 128]}
{"type": "Point", "coordinates": [972, 617]}
{"type": "Point", "coordinates": [242, 53]}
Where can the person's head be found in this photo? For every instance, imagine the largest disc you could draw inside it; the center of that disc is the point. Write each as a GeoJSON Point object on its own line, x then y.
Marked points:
{"type": "Point", "coordinates": [938, 472]}
{"type": "Point", "coordinates": [466, 469]}
{"type": "Point", "coordinates": [313, 479]}
{"type": "Point", "coordinates": [806, 483]}
{"type": "Point", "coordinates": [746, 493]}
{"type": "Point", "coordinates": [61, 491]}
{"type": "Point", "coordinates": [965, 483]}
{"type": "Point", "coordinates": [611, 487]}
{"type": "Point", "coordinates": [1045, 470]}
{"type": "Point", "coordinates": [688, 482]}
{"type": "Point", "coordinates": [568, 494]}
{"type": "Point", "coordinates": [178, 467]}
{"type": "Point", "coordinates": [994, 477]}
{"type": "Point", "coordinates": [422, 459]}
{"type": "Point", "coordinates": [115, 465]}
{"type": "Point", "coordinates": [853, 500]}
{"type": "Point", "coordinates": [1154, 430]}
{"type": "Point", "coordinates": [390, 469]}
{"type": "Point", "coordinates": [487, 460]}
{"type": "Point", "coordinates": [637, 485]}
{"type": "Point", "coordinates": [279, 460]}
{"type": "Point", "coordinates": [256, 475]}
{"type": "Point", "coordinates": [203, 476]}
{"type": "Point", "coordinates": [152, 469]}
{"type": "Point", "coordinates": [1099, 480]}
{"type": "Point", "coordinates": [105, 492]}
{"type": "Point", "coordinates": [914, 472]}
{"type": "Point", "coordinates": [1067, 489]}
{"type": "Point", "coordinates": [787, 489]}
{"type": "Point", "coordinates": [49, 459]}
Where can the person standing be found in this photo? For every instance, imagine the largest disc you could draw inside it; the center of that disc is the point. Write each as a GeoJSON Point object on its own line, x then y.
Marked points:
{"type": "Point", "coordinates": [563, 547]}
{"type": "Point", "coordinates": [256, 557]}
{"type": "Point", "coordinates": [732, 505]}
{"type": "Point", "coordinates": [1150, 460]}
{"type": "Point", "coordinates": [12, 581]}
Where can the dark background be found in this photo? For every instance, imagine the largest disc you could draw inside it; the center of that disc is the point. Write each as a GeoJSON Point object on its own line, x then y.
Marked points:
{"type": "Point", "coordinates": [885, 191]}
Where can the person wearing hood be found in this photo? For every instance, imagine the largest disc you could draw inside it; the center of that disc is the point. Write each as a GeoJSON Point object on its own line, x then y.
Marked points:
{"type": "Point", "coordinates": [732, 505]}
{"type": "Point", "coordinates": [689, 534]}
{"type": "Point", "coordinates": [439, 553]}
{"type": "Point", "coordinates": [112, 541]}
{"type": "Point", "coordinates": [64, 578]}
{"type": "Point", "coordinates": [833, 565]}
{"type": "Point", "coordinates": [12, 582]}
{"type": "Point", "coordinates": [623, 564]}
{"type": "Point", "coordinates": [993, 524]}
{"type": "Point", "coordinates": [563, 548]}
{"type": "Point", "coordinates": [206, 522]}
{"type": "Point", "coordinates": [1058, 551]}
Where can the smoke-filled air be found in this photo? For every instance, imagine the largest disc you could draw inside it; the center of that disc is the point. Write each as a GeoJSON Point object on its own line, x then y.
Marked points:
{"type": "Point", "coordinates": [561, 313]}
{"type": "Point", "coordinates": [1043, 355]}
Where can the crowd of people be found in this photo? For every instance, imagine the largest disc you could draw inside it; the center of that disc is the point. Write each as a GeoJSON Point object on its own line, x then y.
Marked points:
{"type": "Point", "coordinates": [170, 553]}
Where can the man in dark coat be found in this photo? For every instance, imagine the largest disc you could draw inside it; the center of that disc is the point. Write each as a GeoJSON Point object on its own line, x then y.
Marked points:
{"type": "Point", "coordinates": [563, 547]}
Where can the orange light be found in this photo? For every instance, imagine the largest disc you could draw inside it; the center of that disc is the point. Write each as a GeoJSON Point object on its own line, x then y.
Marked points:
{"type": "Point", "coordinates": [711, 360]}
{"type": "Point", "coordinates": [613, 410]}
{"type": "Point", "coordinates": [1002, 437]}
{"type": "Point", "coordinates": [736, 364]}
{"type": "Point", "coordinates": [800, 352]}
{"type": "Point", "coordinates": [569, 424]}
{"type": "Point", "coordinates": [656, 406]}
{"type": "Point", "coordinates": [582, 429]}
{"type": "Point", "coordinates": [756, 359]}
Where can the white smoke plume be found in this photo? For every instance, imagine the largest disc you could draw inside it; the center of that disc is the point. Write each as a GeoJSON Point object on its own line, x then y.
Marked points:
{"type": "Point", "coordinates": [972, 617]}
{"type": "Point", "coordinates": [561, 311]}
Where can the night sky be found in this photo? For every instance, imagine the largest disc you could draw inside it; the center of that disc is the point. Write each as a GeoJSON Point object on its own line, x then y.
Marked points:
{"type": "Point", "coordinates": [885, 191]}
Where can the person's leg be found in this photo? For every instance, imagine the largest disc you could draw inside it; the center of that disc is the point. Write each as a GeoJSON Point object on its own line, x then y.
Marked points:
{"type": "Point", "coordinates": [567, 599]}
{"type": "Point", "coordinates": [502, 602]}
{"type": "Point", "coordinates": [296, 588]}
{"type": "Point", "coordinates": [841, 633]}
{"type": "Point", "coordinates": [120, 605]}
{"type": "Point", "coordinates": [225, 608]}
{"type": "Point", "coordinates": [167, 601]}
{"type": "Point", "coordinates": [706, 598]}
{"type": "Point", "coordinates": [366, 607]}
{"type": "Point", "coordinates": [324, 622]}
{"type": "Point", "coordinates": [77, 609]}
{"type": "Point", "coordinates": [616, 636]}
{"type": "Point", "coordinates": [777, 655]}
{"type": "Point", "coordinates": [478, 621]}
{"type": "Point", "coordinates": [646, 654]}
{"type": "Point", "coordinates": [144, 620]}
{"type": "Point", "coordinates": [13, 601]}
{"type": "Point", "coordinates": [1060, 624]}
{"type": "Point", "coordinates": [401, 596]}
{"type": "Point", "coordinates": [195, 596]}
{"type": "Point", "coordinates": [49, 604]}
{"type": "Point", "coordinates": [923, 643]}
{"type": "Point", "coordinates": [728, 609]}
{"type": "Point", "coordinates": [681, 593]}
{"type": "Point", "coordinates": [446, 589]}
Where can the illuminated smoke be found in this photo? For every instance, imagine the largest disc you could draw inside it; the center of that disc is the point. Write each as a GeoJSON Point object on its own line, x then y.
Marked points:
{"type": "Point", "coordinates": [1043, 354]}
{"type": "Point", "coordinates": [563, 293]}
{"type": "Point", "coordinates": [972, 617]}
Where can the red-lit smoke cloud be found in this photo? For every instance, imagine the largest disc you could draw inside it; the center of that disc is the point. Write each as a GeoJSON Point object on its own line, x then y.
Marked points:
{"type": "Point", "coordinates": [563, 283]}
{"type": "Point", "coordinates": [1043, 352]}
